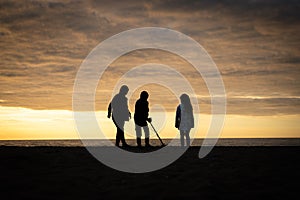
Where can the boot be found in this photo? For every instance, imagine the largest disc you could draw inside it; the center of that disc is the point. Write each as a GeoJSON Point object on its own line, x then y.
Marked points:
{"type": "Point", "coordinates": [124, 144]}
{"type": "Point", "coordinates": [147, 144]}
{"type": "Point", "coordinates": [139, 142]}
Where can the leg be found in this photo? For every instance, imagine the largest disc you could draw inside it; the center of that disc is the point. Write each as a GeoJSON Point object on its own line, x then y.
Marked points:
{"type": "Point", "coordinates": [118, 133]}
{"type": "Point", "coordinates": [146, 131]}
{"type": "Point", "coordinates": [122, 136]}
{"type": "Point", "coordinates": [188, 140]}
{"type": "Point", "coordinates": [138, 131]}
{"type": "Point", "coordinates": [182, 138]}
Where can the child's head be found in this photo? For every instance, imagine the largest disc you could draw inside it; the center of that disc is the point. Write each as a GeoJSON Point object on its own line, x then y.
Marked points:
{"type": "Point", "coordinates": [144, 95]}
{"type": "Point", "coordinates": [185, 100]}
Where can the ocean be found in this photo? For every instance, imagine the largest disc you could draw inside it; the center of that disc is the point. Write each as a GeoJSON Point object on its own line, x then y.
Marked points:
{"type": "Point", "coordinates": [155, 142]}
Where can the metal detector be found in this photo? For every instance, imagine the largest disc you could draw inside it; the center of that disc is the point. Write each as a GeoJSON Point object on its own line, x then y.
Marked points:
{"type": "Point", "coordinates": [162, 144]}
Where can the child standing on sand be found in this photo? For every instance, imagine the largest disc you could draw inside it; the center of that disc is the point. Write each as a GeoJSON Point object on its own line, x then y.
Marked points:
{"type": "Point", "coordinates": [184, 120]}
{"type": "Point", "coordinates": [141, 113]}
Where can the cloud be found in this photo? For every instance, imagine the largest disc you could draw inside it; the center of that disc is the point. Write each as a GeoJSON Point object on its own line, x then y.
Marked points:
{"type": "Point", "coordinates": [255, 44]}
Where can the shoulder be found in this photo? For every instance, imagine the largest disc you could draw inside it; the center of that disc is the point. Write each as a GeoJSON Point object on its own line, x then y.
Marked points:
{"type": "Point", "coordinates": [116, 96]}
{"type": "Point", "coordinates": [137, 102]}
{"type": "Point", "coordinates": [114, 99]}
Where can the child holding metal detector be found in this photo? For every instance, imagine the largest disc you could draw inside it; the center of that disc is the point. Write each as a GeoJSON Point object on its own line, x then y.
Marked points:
{"type": "Point", "coordinates": [141, 113]}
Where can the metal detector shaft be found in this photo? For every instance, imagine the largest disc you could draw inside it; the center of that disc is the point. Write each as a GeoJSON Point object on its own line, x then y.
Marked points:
{"type": "Point", "coordinates": [157, 134]}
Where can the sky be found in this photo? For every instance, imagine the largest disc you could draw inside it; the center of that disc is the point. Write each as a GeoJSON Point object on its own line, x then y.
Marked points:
{"type": "Point", "coordinates": [255, 45]}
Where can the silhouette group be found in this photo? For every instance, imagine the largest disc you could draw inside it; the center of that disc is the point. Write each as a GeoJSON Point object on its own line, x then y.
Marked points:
{"type": "Point", "coordinates": [118, 110]}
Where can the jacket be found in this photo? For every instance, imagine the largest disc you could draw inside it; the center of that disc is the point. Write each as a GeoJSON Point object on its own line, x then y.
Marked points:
{"type": "Point", "coordinates": [141, 112]}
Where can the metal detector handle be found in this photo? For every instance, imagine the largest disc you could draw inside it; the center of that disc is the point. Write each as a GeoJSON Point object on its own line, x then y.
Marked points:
{"type": "Point", "coordinates": [157, 134]}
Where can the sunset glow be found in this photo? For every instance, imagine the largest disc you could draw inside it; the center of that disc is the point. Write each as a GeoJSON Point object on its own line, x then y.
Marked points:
{"type": "Point", "coordinates": [255, 45]}
{"type": "Point", "coordinates": [22, 123]}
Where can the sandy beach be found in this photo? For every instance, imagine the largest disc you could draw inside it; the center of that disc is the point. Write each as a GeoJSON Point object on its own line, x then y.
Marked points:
{"type": "Point", "coordinates": [226, 173]}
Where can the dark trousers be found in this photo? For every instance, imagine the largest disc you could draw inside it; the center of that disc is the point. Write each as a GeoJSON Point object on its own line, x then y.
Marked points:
{"type": "Point", "coordinates": [120, 132]}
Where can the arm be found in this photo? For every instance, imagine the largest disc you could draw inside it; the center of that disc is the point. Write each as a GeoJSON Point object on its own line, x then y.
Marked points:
{"type": "Point", "coordinates": [142, 109]}
{"type": "Point", "coordinates": [129, 113]}
{"type": "Point", "coordinates": [178, 117]}
{"type": "Point", "coordinates": [149, 119]}
{"type": "Point", "coordinates": [109, 110]}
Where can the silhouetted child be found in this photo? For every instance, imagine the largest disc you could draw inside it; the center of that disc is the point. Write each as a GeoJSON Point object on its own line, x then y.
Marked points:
{"type": "Point", "coordinates": [184, 119]}
{"type": "Point", "coordinates": [141, 113]}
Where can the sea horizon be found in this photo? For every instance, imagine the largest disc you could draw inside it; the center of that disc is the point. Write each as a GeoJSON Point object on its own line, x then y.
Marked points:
{"type": "Point", "coordinates": [234, 142]}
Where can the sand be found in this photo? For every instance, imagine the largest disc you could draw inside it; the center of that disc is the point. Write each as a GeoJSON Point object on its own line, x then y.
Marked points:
{"type": "Point", "coordinates": [226, 173]}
